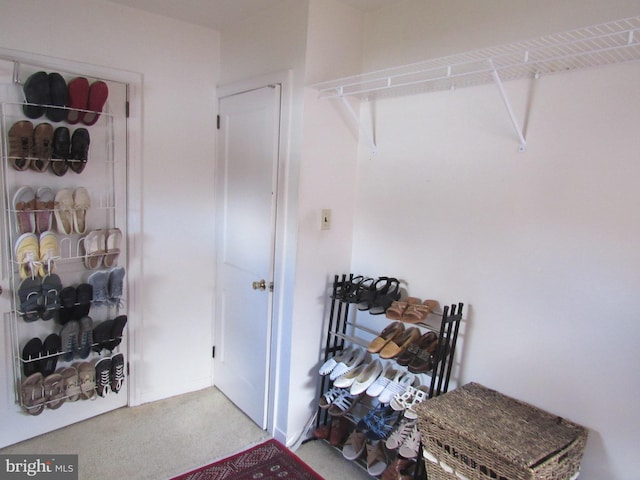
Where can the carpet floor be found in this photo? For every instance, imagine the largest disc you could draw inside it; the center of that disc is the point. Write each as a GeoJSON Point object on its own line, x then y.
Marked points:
{"type": "Point", "coordinates": [167, 438]}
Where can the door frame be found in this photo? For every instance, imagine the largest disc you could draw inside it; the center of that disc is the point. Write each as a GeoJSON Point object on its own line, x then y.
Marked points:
{"type": "Point", "coordinates": [283, 265]}
{"type": "Point", "coordinates": [134, 83]}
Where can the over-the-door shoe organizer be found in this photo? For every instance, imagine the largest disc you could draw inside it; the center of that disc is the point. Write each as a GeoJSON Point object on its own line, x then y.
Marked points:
{"type": "Point", "coordinates": [68, 322]}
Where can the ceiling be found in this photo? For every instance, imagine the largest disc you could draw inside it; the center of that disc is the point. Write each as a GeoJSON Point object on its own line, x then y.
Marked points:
{"type": "Point", "coordinates": [217, 14]}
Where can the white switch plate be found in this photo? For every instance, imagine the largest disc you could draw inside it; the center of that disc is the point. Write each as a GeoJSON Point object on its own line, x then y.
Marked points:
{"type": "Point", "coordinates": [325, 219]}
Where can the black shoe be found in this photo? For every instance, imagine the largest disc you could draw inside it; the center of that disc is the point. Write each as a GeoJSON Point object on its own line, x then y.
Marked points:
{"type": "Point", "coordinates": [67, 304]}
{"type": "Point", "coordinates": [30, 356]}
{"type": "Point", "coordinates": [116, 332]}
{"type": "Point", "coordinates": [117, 372]}
{"type": "Point", "coordinates": [84, 295]}
{"type": "Point", "coordinates": [102, 335]}
{"type": "Point", "coordinates": [79, 149]}
{"type": "Point", "coordinates": [51, 348]}
{"type": "Point", "coordinates": [59, 98]}
{"type": "Point", "coordinates": [60, 155]}
{"type": "Point", "coordinates": [36, 92]}
{"type": "Point", "coordinates": [103, 376]}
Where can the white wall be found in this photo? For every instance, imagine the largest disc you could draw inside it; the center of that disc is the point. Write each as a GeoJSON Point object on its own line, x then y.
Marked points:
{"type": "Point", "coordinates": [541, 247]}
{"type": "Point", "coordinates": [179, 64]}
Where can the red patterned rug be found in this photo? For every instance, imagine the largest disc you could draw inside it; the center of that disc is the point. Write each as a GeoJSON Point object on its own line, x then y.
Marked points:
{"type": "Point", "coordinates": [269, 460]}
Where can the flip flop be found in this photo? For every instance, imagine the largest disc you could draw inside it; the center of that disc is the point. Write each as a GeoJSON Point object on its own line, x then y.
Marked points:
{"type": "Point", "coordinates": [68, 297]}
{"type": "Point", "coordinates": [87, 378]}
{"type": "Point", "coordinates": [114, 239]}
{"type": "Point", "coordinates": [44, 205]}
{"type": "Point", "coordinates": [64, 211]}
{"type": "Point", "coordinates": [98, 93]}
{"type": "Point", "coordinates": [51, 348]}
{"type": "Point", "coordinates": [51, 288]}
{"type": "Point", "coordinates": [54, 391]}
{"type": "Point", "coordinates": [24, 203]}
{"type": "Point", "coordinates": [78, 99]}
{"type": "Point", "coordinates": [42, 147]}
{"type": "Point", "coordinates": [71, 383]}
{"type": "Point", "coordinates": [81, 203]}
{"type": "Point", "coordinates": [30, 357]}
{"type": "Point", "coordinates": [32, 394]}
{"type": "Point", "coordinates": [30, 295]}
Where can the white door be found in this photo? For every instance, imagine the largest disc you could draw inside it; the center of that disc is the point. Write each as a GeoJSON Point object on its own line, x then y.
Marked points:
{"type": "Point", "coordinates": [246, 190]}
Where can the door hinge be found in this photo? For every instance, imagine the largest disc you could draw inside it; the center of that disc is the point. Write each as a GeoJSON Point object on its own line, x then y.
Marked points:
{"type": "Point", "coordinates": [213, 352]}
{"type": "Point", "coordinates": [126, 109]}
{"type": "Point", "coordinates": [218, 122]}
{"type": "Point", "coordinates": [127, 369]}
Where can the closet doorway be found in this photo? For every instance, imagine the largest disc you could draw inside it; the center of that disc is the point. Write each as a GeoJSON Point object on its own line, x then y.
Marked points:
{"type": "Point", "coordinates": [246, 199]}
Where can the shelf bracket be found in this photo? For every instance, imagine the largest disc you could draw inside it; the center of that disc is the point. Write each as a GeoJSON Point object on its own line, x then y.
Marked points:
{"type": "Point", "coordinates": [356, 118]}
{"type": "Point", "coordinates": [523, 142]}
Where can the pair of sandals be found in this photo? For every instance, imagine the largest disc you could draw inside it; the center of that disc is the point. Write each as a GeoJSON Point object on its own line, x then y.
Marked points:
{"type": "Point", "coordinates": [102, 247]}
{"type": "Point", "coordinates": [373, 295]}
{"type": "Point", "coordinates": [38, 392]}
{"type": "Point", "coordinates": [410, 310]}
{"type": "Point", "coordinates": [39, 298]}
{"type": "Point", "coordinates": [338, 401]}
{"type": "Point", "coordinates": [411, 397]}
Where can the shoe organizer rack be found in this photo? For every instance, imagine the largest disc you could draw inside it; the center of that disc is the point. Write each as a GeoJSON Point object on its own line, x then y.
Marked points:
{"type": "Point", "coordinates": [75, 257]}
{"type": "Point", "coordinates": [345, 331]}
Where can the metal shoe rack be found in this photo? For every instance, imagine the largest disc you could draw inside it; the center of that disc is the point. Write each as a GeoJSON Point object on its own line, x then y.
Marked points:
{"type": "Point", "coordinates": [342, 323]}
{"type": "Point", "coordinates": [105, 179]}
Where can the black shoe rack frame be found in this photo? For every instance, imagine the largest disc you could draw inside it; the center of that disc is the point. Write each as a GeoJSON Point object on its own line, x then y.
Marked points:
{"type": "Point", "coordinates": [339, 320]}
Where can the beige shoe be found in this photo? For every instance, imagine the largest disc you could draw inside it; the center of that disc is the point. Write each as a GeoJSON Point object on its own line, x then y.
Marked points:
{"type": "Point", "coordinates": [87, 378]}
{"type": "Point", "coordinates": [27, 255]}
{"type": "Point", "coordinates": [81, 203]}
{"type": "Point", "coordinates": [64, 211]}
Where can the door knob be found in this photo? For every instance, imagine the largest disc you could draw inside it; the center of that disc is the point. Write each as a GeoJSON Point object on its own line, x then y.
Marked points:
{"type": "Point", "coordinates": [260, 285]}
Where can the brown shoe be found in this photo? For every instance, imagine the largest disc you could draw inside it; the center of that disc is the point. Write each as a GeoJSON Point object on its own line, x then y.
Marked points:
{"type": "Point", "coordinates": [391, 331]}
{"type": "Point", "coordinates": [339, 431]}
{"type": "Point", "coordinates": [42, 147]}
{"type": "Point", "coordinates": [396, 469]}
{"type": "Point", "coordinates": [21, 145]}
{"type": "Point", "coordinates": [399, 343]}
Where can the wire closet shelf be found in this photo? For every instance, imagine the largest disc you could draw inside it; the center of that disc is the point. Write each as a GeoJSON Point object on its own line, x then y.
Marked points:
{"type": "Point", "coordinates": [602, 44]}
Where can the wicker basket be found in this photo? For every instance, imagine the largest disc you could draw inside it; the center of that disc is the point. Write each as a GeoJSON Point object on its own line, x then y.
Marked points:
{"type": "Point", "coordinates": [477, 433]}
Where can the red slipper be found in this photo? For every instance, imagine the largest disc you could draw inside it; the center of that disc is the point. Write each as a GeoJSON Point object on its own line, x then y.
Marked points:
{"type": "Point", "coordinates": [78, 99]}
{"type": "Point", "coordinates": [98, 93]}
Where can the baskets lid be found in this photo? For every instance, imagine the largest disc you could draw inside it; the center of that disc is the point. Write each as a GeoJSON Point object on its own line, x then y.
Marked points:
{"type": "Point", "coordinates": [516, 431]}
